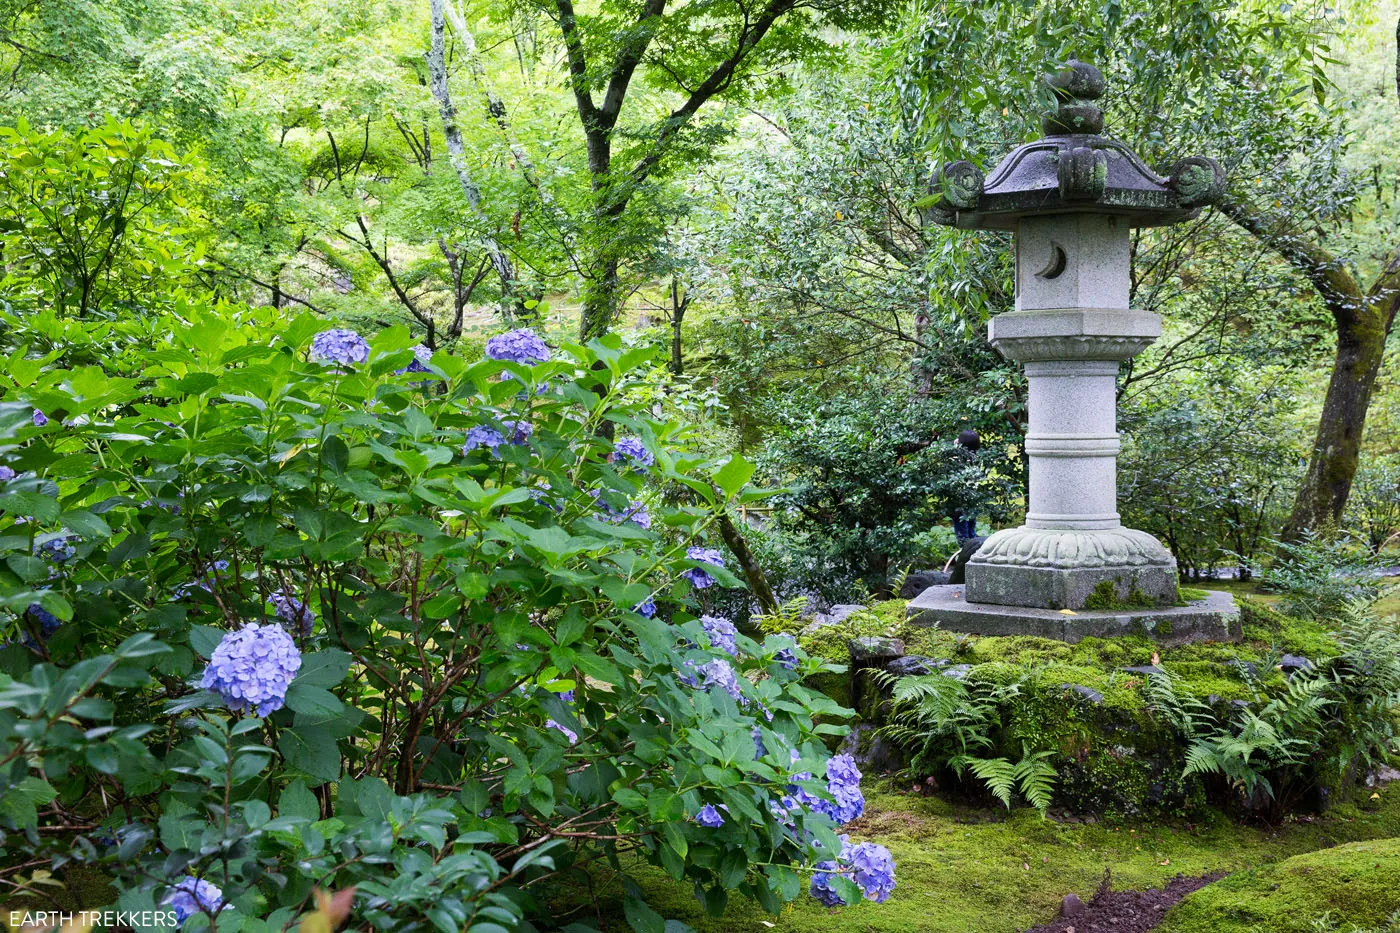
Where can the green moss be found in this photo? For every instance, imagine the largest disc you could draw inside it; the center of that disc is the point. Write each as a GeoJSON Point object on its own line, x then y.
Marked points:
{"type": "Point", "coordinates": [1114, 757]}
{"type": "Point", "coordinates": [1350, 884]}
{"type": "Point", "coordinates": [966, 870]}
{"type": "Point", "coordinates": [1186, 595]}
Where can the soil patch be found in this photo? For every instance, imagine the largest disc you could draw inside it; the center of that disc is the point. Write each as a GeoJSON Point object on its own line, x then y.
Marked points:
{"type": "Point", "coordinates": [1123, 911]}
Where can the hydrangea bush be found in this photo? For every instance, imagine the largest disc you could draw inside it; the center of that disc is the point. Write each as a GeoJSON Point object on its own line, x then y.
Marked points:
{"type": "Point", "coordinates": [365, 651]}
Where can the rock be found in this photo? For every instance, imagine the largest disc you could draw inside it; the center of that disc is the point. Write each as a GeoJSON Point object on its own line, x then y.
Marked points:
{"type": "Point", "coordinates": [1071, 906]}
{"type": "Point", "coordinates": [1383, 775]}
{"type": "Point", "coordinates": [1093, 696]}
{"type": "Point", "coordinates": [1292, 663]}
{"type": "Point", "coordinates": [957, 671]}
{"type": "Point", "coordinates": [835, 615]}
{"type": "Point", "coordinates": [920, 580]}
{"type": "Point", "coordinates": [1246, 667]}
{"type": "Point", "coordinates": [1144, 669]}
{"type": "Point", "coordinates": [874, 651]}
{"type": "Point", "coordinates": [915, 665]}
{"type": "Point", "coordinates": [959, 572]}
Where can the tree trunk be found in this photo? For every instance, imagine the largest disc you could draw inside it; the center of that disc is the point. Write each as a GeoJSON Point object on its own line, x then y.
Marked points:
{"type": "Point", "coordinates": [1336, 451]}
{"type": "Point", "coordinates": [1363, 318]}
{"type": "Point", "coordinates": [456, 154]}
{"type": "Point", "coordinates": [753, 573]}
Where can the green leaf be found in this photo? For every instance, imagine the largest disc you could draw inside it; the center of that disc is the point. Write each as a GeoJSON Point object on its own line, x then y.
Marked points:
{"type": "Point", "coordinates": [313, 700]}
{"type": "Point", "coordinates": [297, 801]}
{"type": "Point", "coordinates": [311, 749]}
{"type": "Point", "coordinates": [204, 639]}
{"type": "Point", "coordinates": [325, 668]}
{"type": "Point", "coordinates": [641, 918]}
{"type": "Point", "coordinates": [734, 474]}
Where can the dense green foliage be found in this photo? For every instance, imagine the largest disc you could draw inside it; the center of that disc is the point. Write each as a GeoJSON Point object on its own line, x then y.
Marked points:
{"type": "Point", "coordinates": [206, 467]}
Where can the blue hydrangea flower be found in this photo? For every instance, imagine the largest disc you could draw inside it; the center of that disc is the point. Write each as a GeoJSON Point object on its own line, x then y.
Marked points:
{"type": "Point", "coordinates": [697, 577]}
{"type": "Point", "coordinates": [522, 346]}
{"type": "Point", "coordinates": [48, 622]}
{"type": "Point", "coordinates": [293, 611]}
{"type": "Point", "coordinates": [252, 668]}
{"type": "Point", "coordinates": [483, 436]}
{"type": "Point", "coordinates": [520, 431]}
{"type": "Point", "coordinates": [646, 607]}
{"type": "Point", "coordinates": [821, 887]}
{"type": "Point", "coordinates": [759, 748]}
{"type": "Point", "coordinates": [40, 419]}
{"type": "Point", "coordinates": [419, 363]}
{"type": "Point", "coordinates": [843, 783]}
{"type": "Point", "coordinates": [192, 896]}
{"type": "Point", "coordinates": [722, 634]}
{"type": "Point", "coordinates": [636, 513]}
{"type": "Point", "coordinates": [56, 550]}
{"type": "Point", "coordinates": [339, 346]}
{"type": "Point", "coordinates": [6, 474]}
{"type": "Point", "coordinates": [709, 817]}
{"type": "Point", "coordinates": [872, 869]}
{"type": "Point", "coordinates": [787, 658]}
{"type": "Point", "coordinates": [634, 452]}
{"type": "Point", "coordinates": [718, 673]}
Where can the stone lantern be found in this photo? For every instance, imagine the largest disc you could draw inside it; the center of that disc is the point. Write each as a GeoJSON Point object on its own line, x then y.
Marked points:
{"type": "Point", "coordinates": [1071, 199]}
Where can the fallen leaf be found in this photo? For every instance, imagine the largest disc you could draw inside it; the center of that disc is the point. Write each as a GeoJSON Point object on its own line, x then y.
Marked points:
{"type": "Point", "coordinates": [1068, 612]}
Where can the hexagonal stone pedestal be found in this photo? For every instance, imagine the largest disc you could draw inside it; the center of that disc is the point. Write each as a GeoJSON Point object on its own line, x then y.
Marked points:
{"type": "Point", "coordinates": [1215, 618]}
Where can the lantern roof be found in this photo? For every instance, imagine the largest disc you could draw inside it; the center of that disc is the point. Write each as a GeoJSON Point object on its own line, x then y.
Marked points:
{"type": "Point", "coordinates": [1073, 169]}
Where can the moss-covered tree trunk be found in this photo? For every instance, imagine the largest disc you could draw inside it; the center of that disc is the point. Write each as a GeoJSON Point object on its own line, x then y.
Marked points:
{"type": "Point", "coordinates": [1363, 318]}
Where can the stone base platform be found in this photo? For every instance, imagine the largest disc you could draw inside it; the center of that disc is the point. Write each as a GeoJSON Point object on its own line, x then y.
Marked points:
{"type": "Point", "coordinates": [1215, 618]}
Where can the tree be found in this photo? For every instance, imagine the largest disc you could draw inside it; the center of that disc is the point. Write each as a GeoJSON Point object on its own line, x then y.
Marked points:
{"type": "Point", "coordinates": [693, 54]}
{"type": "Point", "coordinates": [1363, 314]}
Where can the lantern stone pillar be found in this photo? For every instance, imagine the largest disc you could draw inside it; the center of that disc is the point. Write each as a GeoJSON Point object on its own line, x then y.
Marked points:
{"type": "Point", "coordinates": [1072, 200]}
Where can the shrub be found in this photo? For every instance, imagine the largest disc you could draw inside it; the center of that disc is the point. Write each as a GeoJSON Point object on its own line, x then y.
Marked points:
{"type": "Point", "coordinates": [1321, 576]}
{"type": "Point", "coordinates": [275, 626]}
{"type": "Point", "coordinates": [867, 477]}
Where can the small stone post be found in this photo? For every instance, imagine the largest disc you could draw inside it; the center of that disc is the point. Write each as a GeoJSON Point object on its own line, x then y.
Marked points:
{"type": "Point", "coordinates": [1072, 199]}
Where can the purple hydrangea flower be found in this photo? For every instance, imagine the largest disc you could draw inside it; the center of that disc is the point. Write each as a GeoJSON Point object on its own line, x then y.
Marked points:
{"type": "Point", "coordinates": [56, 550]}
{"type": "Point", "coordinates": [758, 747]}
{"type": "Point", "coordinates": [483, 436]}
{"type": "Point", "coordinates": [40, 419]}
{"type": "Point", "coordinates": [293, 611]}
{"type": "Point", "coordinates": [520, 431]}
{"type": "Point", "coordinates": [709, 817]}
{"type": "Point", "coordinates": [634, 452]}
{"type": "Point", "coordinates": [252, 668]}
{"type": "Point", "coordinates": [646, 607]}
{"type": "Point", "coordinates": [6, 474]}
{"type": "Point", "coordinates": [419, 363]}
{"type": "Point", "coordinates": [339, 346]}
{"type": "Point", "coordinates": [569, 734]}
{"type": "Point", "coordinates": [192, 896]}
{"type": "Point", "coordinates": [522, 346]}
{"type": "Point", "coordinates": [722, 634]}
{"type": "Point", "coordinates": [697, 577]}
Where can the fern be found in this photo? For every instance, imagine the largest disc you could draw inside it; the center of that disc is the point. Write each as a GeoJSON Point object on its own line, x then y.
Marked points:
{"type": "Point", "coordinates": [1036, 776]}
{"type": "Point", "coordinates": [997, 773]}
{"type": "Point", "coordinates": [1033, 777]}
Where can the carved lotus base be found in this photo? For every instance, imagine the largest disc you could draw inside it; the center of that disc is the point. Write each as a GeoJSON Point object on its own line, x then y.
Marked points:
{"type": "Point", "coordinates": [1054, 569]}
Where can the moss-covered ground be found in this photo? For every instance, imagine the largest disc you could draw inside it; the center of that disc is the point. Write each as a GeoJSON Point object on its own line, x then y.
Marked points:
{"type": "Point", "coordinates": [966, 870]}
{"type": "Point", "coordinates": [1356, 884]}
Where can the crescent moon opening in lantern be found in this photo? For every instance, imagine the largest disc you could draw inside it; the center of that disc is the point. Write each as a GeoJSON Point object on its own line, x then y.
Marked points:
{"type": "Point", "coordinates": [1056, 266]}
